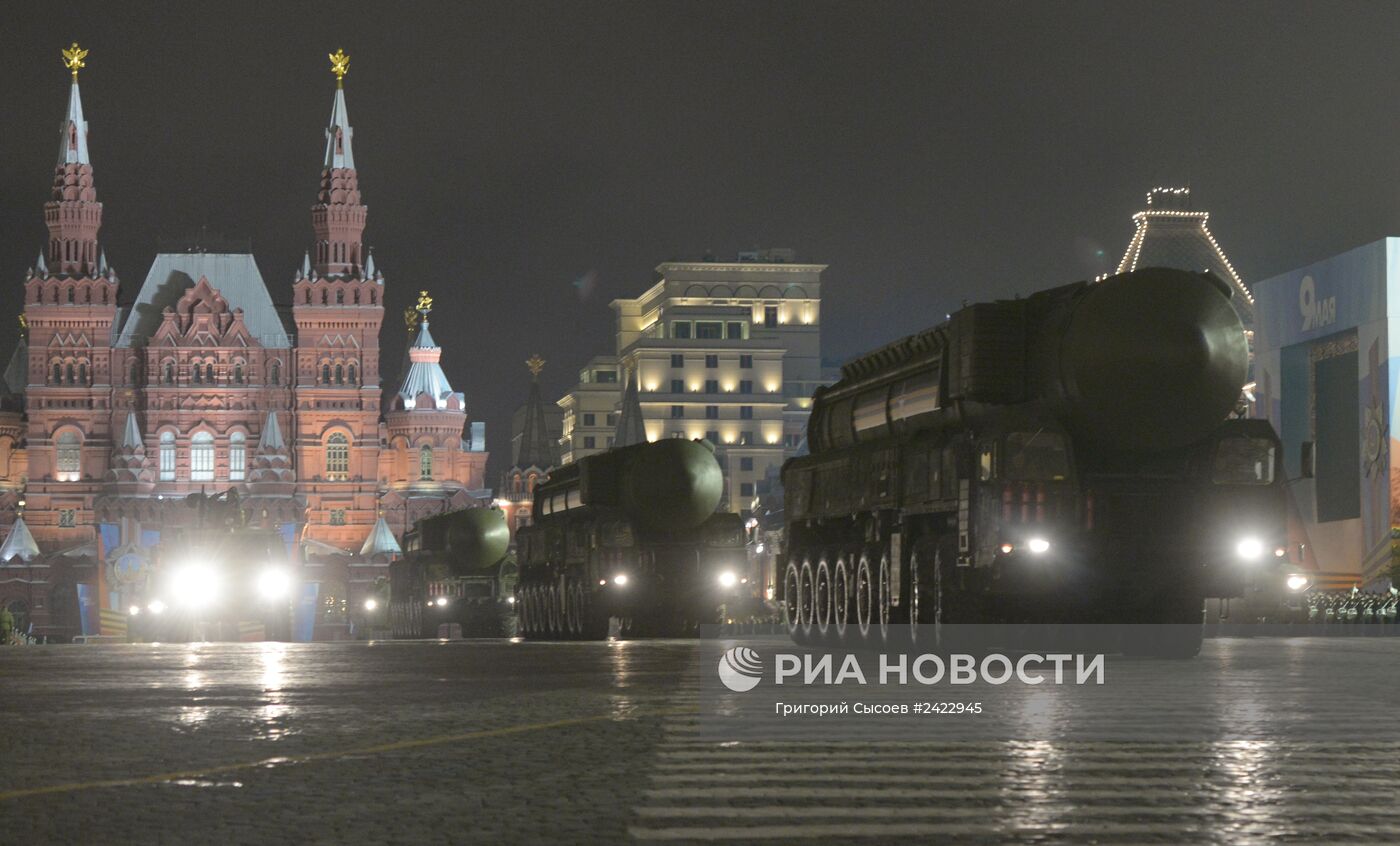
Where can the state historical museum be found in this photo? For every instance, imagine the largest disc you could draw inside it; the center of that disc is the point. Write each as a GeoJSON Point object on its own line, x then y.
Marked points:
{"type": "Point", "coordinates": [118, 406]}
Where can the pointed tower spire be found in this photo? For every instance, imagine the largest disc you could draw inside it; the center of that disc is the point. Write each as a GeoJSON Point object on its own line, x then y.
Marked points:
{"type": "Point", "coordinates": [19, 543]}
{"type": "Point", "coordinates": [380, 541]}
{"type": "Point", "coordinates": [131, 438]}
{"type": "Point", "coordinates": [425, 374]}
{"type": "Point", "coordinates": [73, 214]}
{"type": "Point", "coordinates": [41, 267]}
{"type": "Point", "coordinates": [271, 439]}
{"type": "Point", "coordinates": [629, 422]}
{"type": "Point", "coordinates": [338, 216]}
{"type": "Point", "coordinates": [536, 448]}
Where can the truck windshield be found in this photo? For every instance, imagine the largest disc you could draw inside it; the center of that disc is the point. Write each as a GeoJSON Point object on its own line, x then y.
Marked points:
{"type": "Point", "coordinates": [1243, 461]}
{"type": "Point", "coordinates": [1036, 456]}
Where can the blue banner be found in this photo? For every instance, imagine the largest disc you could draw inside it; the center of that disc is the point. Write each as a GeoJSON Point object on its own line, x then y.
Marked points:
{"type": "Point", "coordinates": [304, 613]}
{"type": "Point", "coordinates": [289, 537]}
{"type": "Point", "coordinates": [111, 534]}
{"type": "Point", "coordinates": [88, 609]}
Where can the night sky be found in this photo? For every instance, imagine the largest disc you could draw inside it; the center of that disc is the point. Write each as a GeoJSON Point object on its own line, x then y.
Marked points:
{"type": "Point", "coordinates": [529, 162]}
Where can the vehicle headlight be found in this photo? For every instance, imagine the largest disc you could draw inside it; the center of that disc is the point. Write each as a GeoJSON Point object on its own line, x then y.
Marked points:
{"type": "Point", "coordinates": [274, 584]}
{"type": "Point", "coordinates": [1039, 546]}
{"type": "Point", "coordinates": [620, 579]}
{"type": "Point", "coordinates": [1298, 583]}
{"type": "Point", "coordinates": [195, 585]}
{"type": "Point", "coordinates": [441, 602]}
{"type": "Point", "coordinates": [1250, 549]}
{"type": "Point", "coordinates": [728, 579]}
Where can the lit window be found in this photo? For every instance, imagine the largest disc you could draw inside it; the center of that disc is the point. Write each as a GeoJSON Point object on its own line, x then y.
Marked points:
{"type": "Point", "coordinates": [425, 462]}
{"type": "Point", "coordinates": [69, 457]}
{"type": "Point", "coordinates": [237, 460]}
{"type": "Point", "coordinates": [202, 457]}
{"type": "Point", "coordinates": [338, 458]}
{"type": "Point", "coordinates": [167, 456]}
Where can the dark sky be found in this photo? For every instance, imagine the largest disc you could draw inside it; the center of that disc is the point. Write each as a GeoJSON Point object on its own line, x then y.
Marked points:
{"type": "Point", "coordinates": [929, 152]}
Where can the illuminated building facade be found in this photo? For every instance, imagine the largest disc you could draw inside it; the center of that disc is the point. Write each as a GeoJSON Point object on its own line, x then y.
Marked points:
{"type": "Point", "coordinates": [727, 351]}
{"type": "Point", "coordinates": [207, 380]}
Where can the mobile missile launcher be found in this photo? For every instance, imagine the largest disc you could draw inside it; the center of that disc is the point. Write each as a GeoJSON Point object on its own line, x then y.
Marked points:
{"type": "Point", "coordinates": [1067, 457]}
{"type": "Point", "coordinates": [455, 569]}
{"type": "Point", "coordinates": [630, 535]}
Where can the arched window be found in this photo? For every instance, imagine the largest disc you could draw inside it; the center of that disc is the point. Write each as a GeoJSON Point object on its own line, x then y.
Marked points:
{"type": "Point", "coordinates": [209, 372]}
{"type": "Point", "coordinates": [337, 458]}
{"type": "Point", "coordinates": [276, 373]}
{"type": "Point", "coordinates": [167, 456]}
{"type": "Point", "coordinates": [202, 457]}
{"type": "Point", "coordinates": [339, 374]}
{"type": "Point", "coordinates": [198, 373]}
{"type": "Point", "coordinates": [352, 373]}
{"type": "Point", "coordinates": [237, 460]}
{"type": "Point", "coordinates": [57, 373]}
{"type": "Point", "coordinates": [7, 448]}
{"type": "Point", "coordinates": [68, 371]}
{"type": "Point", "coordinates": [340, 297]}
{"type": "Point", "coordinates": [69, 457]}
{"type": "Point", "coordinates": [169, 375]}
{"type": "Point", "coordinates": [70, 294]}
{"type": "Point", "coordinates": [82, 373]}
{"type": "Point", "coordinates": [238, 372]}
{"type": "Point", "coordinates": [325, 374]}
{"type": "Point", "coordinates": [425, 462]}
{"type": "Point", "coordinates": [133, 372]}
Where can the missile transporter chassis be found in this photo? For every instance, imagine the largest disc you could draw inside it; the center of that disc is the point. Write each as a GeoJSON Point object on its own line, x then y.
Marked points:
{"type": "Point", "coordinates": [1067, 458]}
{"type": "Point", "coordinates": [455, 570]}
{"type": "Point", "coordinates": [628, 542]}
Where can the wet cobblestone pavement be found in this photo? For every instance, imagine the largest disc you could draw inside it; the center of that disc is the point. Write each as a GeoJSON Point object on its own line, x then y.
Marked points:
{"type": "Point", "coordinates": [495, 742]}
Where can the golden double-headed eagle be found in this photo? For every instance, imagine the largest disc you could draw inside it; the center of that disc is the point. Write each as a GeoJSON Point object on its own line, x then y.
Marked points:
{"type": "Point", "coordinates": [340, 65]}
{"type": "Point", "coordinates": [73, 59]}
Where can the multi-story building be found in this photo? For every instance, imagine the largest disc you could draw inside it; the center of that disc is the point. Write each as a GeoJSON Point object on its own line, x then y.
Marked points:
{"type": "Point", "coordinates": [206, 381]}
{"type": "Point", "coordinates": [729, 352]}
{"type": "Point", "coordinates": [590, 410]}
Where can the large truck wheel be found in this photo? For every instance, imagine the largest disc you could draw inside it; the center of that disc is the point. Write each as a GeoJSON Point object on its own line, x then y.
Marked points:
{"type": "Point", "coordinates": [792, 586]}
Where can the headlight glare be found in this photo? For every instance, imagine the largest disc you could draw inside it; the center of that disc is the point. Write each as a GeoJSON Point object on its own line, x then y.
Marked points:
{"type": "Point", "coordinates": [1250, 549]}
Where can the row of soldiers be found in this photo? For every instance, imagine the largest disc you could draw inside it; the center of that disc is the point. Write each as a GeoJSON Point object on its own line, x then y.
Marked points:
{"type": "Point", "coordinates": [1351, 606]}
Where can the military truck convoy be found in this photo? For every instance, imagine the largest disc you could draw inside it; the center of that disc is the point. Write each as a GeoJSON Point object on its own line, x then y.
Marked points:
{"type": "Point", "coordinates": [1067, 457]}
